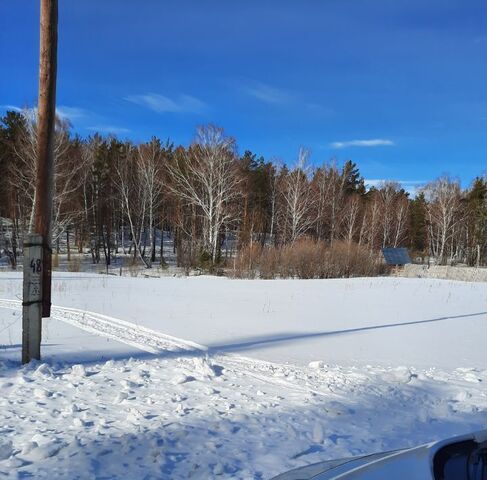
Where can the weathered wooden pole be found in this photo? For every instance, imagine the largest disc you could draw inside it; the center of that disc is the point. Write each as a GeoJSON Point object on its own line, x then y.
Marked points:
{"type": "Point", "coordinates": [45, 137]}
{"type": "Point", "coordinates": [46, 118]}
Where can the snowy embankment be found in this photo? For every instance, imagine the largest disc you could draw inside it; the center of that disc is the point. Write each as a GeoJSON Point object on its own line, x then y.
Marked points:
{"type": "Point", "coordinates": [372, 364]}
{"type": "Point", "coordinates": [466, 274]}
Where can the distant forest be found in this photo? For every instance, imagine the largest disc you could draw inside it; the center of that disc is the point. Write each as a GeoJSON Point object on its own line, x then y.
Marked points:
{"type": "Point", "coordinates": [110, 193]}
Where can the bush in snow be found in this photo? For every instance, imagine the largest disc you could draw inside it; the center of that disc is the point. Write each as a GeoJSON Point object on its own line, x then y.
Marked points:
{"type": "Point", "coordinates": [307, 258]}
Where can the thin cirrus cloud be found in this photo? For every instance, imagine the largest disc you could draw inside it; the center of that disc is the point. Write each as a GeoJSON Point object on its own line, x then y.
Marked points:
{"type": "Point", "coordinates": [63, 111]}
{"type": "Point", "coordinates": [410, 186]}
{"type": "Point", "coordinates": [162, 104]}
{"type": "Point", "coordinates": [275, 96]}
{"type": "Point", "coordinates": [72, 113]}
{"type": "Point", "coordinates": [377, 182]}
{"type": "Point", "coordinates": [267, 93]}
{"type": "Point", "coordinates": [13, 108]}
{"type": "Point", "coordinates": [372, 142]}
{"type": "Point", "coordinates": [108, 129]}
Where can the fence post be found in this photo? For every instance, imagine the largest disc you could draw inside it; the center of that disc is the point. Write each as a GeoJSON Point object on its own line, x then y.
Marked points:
{"type": "Point", "coordinates": [32, 299]}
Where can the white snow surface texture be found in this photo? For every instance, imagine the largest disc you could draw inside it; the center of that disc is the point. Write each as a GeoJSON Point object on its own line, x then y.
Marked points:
{"type": "Point", "coordinates": [200, 378]}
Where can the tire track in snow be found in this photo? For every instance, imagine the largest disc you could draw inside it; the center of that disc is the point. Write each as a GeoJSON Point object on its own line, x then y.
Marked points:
{"type": "Point", "coordinates": [134, 335]}
{"type": "Point", "coordinates": [155, 342]}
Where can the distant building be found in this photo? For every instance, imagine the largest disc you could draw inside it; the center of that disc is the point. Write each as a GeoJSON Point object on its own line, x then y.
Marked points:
{"type": "Point", "coordinates": [396, 256]}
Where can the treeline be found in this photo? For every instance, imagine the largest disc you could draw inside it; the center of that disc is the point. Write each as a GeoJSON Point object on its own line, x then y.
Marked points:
{"type": "Point", "coordinates": [114, 196]}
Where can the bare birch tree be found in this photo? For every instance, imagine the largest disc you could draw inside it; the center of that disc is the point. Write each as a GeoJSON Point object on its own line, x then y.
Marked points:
{"type": "Point", "coordinates": [297, 198]}
{"type": "Point", "coordinates": [24, 172]}
{"type": "Point", "coordinates": [133, 193]}
{"type": "Point", "coordinates": [150, 168]}
{"type": "Point", "coordinates": [444, 212]}
{"type": "Point", "coordinates": [350, 217]}
{"type": "Point", "coordinates": [206, 177]}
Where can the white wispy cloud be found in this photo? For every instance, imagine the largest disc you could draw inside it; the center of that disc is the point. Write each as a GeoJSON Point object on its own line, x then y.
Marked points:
{"type": "Point", "coordinates": [279, 97]}
{"type": "Point", "coordinates": [374, 182]}
{"type": "Point", "coordinates": [162, 104]}
{"type": "Point", "coordinates": [108, 129]}
{"type": "Point", "coordinates": [267, 93]}
{"type": "Point", "coordinates": [63, 111]}
{"type": "Point", "coordinates": [372, 142]}
{"type": "Point", "coordinates": [71, 113]}
{"type": "Point", "coordinates": [10, 108]}
{"type": "Point", "coordinates": [410, 186]}
{"type": "Point", "coordinates": [75, 115]}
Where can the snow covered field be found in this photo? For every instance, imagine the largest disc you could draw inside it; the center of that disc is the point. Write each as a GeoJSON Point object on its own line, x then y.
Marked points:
{"type": "Point", "coordinates": [223, 378]}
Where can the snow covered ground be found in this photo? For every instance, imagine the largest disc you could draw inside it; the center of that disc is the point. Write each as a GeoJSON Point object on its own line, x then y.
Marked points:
{"type": "Point", "coordinates": [222, 378]}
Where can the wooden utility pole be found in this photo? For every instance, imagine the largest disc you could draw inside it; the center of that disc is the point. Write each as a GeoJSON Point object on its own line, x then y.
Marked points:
{"type": "Point", "coordinates": [45, 137]}
{"type": "Point", "coordinates": [46, 119]}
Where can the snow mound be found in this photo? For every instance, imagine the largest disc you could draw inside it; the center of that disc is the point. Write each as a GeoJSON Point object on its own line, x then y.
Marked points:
{"type": "Point", "coordinates": [6, 449]}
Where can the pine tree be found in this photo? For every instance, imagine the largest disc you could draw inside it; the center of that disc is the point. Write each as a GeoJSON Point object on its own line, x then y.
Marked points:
{"type": "Point", "coordinates": [353, 181]}
{"type": "Point", "coordinates": [418, 227]}
{"type": "Point", "coordinates": [477, 213]}
{"type": "Point", "coordinates": [10, 126]}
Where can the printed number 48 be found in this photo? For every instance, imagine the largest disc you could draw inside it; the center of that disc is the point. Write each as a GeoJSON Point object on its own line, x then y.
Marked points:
{"type": "Point", "coordinates": [36, 265]}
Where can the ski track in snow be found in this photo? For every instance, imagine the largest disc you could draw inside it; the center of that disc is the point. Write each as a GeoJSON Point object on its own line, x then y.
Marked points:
{"type": "Point", "coordinates": [191, 412]}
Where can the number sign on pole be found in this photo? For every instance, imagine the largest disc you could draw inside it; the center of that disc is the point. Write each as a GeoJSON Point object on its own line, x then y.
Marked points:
{"type": "Point", "coordinates": [32, 299]}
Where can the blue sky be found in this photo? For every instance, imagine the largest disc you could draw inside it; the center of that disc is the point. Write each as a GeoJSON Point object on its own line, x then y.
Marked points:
{"type": "Point", "coordinates": [400, 87]}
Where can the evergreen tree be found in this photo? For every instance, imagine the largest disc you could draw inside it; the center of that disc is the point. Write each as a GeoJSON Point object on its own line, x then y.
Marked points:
{"type": "Point", "coordinates": [477, 213]}
{"type": "Point", "coordinates": [352, 180]}
{"type": "Point", "coordinates": [418, 226]}
{"type": "Point", "coordinates": [10, 127]}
